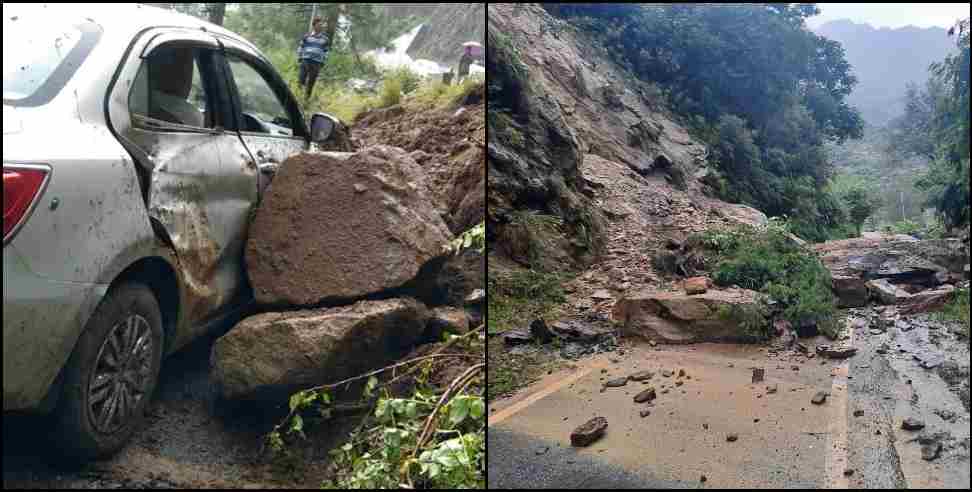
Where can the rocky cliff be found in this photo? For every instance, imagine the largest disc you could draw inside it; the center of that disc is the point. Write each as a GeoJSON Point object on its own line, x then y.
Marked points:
{"type": "Point", "coordinates": [574, 136]}
{"type": "Point", "coordinates": [449, 25]}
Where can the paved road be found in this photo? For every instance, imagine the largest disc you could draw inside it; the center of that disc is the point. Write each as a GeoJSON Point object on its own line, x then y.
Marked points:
{"type": "Point", "coordinates": [783, 440]}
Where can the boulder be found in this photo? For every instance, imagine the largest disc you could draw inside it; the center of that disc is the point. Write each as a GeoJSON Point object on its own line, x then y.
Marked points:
{"type": "Point", "coordinates": [338, 227]}
{"type": "Point", "coordinates": [886, 293]}
{"type": "Point", "coordinates": [851, 291]}
{"type": "Point", "coordinates": [268, 356]}
{"type": "Point", "coordinates": [446, 320]}
{"type": "Point", "coordinates": [670, 317]}
{"type": "Point", "coordinates": [928, 301]}
{"type": "Point", "coordinates": [898, 259]}
{"type": "Point", "coordinates": [696, 285]}
{"type": "Point", "coordinates": [577, 330]}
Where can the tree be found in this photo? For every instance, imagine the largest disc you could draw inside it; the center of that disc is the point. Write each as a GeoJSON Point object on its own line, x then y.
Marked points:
{"type": "Point", "coordinates": [860, 206]}
{"type": "Point", "coordinates": [947, 182]}
{"type": "Point", "coordinates": [217, 11]}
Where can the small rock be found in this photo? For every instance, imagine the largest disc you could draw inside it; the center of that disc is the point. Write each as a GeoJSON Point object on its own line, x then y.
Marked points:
{"type": "Point", "coordinates": [588, 433]}
{"type": "Point", "coordinates": [616, 383]}
{"type": "Point", "coordinates": [848, 473]}
{"type": "Point", "coordinates": [771, 389]}
{"type": "Point", "coordinates": [540, 331]}
{"type": "Point", "coordinates": [912, 424]}
{"type": "Point", "coordinates": [602, 295]}
{"type": "Point", "coordinates": [820, 398]}
{"type": "Point", "coordinates": [732, 438]}
{"type": "Point", "coordinates": [513, 338]}
{"type": "Point", "coordinates": [645, 413]}
{"type": "Point", "coordinates": [667, 374]}
{"type": "Point", "coordinates": [836, 352]}
{"type": "Point", "coordinates": [679, 383]}
{"type": "Point", "coordinates": [703, 479]}
{"type": "Point", "coordinates": [681, 373]}
{"type": "Point", "coordinates": [858, 413]}
{"type": "Point", "coordinates": [645, 396]}
{"type": "Point", "coordinates": [696, 285]}
{"type": "Point", "coordinates": [641, 376]}
{"type": "Point", "coordinates": [759, 374]}
{"type": "Point", "coordinates": [931, 452]}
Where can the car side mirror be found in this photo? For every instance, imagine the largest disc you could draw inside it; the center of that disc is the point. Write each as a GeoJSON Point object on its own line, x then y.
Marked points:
{"type": "Point", "coordinates": [322, 126]}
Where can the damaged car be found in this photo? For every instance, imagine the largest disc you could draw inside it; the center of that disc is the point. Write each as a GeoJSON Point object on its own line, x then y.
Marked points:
{"type": "Point", "coordinates": [136, 143]}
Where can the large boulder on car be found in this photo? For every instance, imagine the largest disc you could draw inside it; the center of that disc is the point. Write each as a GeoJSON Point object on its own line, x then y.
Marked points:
{"type": "Point", "coordinates": [338, 227]}
{"type": "Point", "coordinates": [732, 315]}
{"type": "Point", "coordinates": [268, 356]}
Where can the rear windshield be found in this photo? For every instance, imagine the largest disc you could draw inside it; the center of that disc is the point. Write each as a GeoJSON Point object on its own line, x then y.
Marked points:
{"type": "Point", "coordinates": [41, 54]}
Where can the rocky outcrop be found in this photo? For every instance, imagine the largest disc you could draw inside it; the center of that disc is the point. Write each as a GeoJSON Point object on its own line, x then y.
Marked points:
{"type": "Point", "coordinates": [449, 25]}
{"type": "Point", "coordinates": [892, 270]}
{"type": "Point", "coordinates": [669, 317]}
{"type": "Point", "coordinates": [267, 356]}
{"type": "Point", "coordinates": [339, 227]}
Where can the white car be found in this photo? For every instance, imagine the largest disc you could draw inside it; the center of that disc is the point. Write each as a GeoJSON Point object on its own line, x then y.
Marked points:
{"type": "Point", "coordinates": [133, 143]}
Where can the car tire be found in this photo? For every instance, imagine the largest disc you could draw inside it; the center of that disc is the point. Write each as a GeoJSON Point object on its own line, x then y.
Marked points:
{"type": "Point", "coordinates": [111, 375]}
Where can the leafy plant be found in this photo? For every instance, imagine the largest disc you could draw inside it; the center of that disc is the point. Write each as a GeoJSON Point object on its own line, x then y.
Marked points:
{"type": "Point", "coordinates": [769, 261]}
{"type": "Point", "coordinates": [474, 238]}
{"type": "Point", "coordinates": [433, 438]}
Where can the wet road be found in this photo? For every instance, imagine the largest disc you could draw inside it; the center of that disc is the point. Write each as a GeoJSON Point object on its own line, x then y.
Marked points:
{"type": "Point", "coordinates": [783, 440]}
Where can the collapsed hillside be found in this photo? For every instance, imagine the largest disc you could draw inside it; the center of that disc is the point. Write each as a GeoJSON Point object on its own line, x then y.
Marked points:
{"type": "Point", "coordinates": [574, 136]}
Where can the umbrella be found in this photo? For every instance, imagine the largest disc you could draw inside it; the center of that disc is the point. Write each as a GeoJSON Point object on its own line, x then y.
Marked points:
{"type": "Point", "coordinates": [476, 47]}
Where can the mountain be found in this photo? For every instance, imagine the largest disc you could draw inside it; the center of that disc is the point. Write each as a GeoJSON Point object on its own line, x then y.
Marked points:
{"type": "Point", "coordinates": [885, 60]}
{"type": "Point", "coordinates": [449, 25]}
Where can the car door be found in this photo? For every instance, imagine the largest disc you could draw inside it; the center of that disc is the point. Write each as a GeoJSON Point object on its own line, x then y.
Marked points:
{"type": "Point", "coordinates": [201, 184]}
{"type": "Point", "coordinates": [269, 122]}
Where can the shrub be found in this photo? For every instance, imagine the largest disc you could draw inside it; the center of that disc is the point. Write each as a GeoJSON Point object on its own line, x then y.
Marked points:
{"type": "Point", "coordinates": [770, 262]}
{"type": "Point", "coordinates": [391, 93]}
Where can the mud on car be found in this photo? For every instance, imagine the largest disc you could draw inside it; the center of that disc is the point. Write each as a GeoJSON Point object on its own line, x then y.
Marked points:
{"type": "Point", "coordinates": [135, 144]}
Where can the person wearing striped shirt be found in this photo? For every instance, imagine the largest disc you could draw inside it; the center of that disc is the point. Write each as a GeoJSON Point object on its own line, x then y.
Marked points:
{"type": "Point", "coordinates": [311, 54]}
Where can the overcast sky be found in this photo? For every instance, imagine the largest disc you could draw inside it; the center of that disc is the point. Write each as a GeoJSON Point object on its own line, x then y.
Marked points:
{"type": "Point", "coordinates": [892, 15]}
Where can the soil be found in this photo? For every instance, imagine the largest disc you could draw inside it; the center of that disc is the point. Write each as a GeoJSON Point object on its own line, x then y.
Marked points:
{"type": "Point", "coordinates": [449, 144]}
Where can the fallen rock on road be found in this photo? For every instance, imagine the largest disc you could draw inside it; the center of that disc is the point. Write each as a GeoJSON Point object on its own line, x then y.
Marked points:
{"type": "Point", "coordinates": [674, 317]}
{"type": "Point", "coordinates": [588, 433]}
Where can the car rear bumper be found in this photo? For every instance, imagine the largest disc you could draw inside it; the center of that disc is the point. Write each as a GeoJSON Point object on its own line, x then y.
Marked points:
{"type": "Point", "coordinates": [42, 320]}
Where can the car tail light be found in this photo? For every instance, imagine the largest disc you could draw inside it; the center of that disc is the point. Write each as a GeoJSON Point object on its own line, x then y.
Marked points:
{"type": "Point", "coordinates": [21, 186]}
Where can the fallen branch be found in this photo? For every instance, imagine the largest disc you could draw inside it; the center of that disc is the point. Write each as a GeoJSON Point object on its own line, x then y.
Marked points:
{"type": "Point", "coordinates": [462, 382]}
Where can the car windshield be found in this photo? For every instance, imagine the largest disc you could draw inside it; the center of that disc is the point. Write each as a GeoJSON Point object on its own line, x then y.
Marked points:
{"type": "Point", "coordinates": [40, 54]}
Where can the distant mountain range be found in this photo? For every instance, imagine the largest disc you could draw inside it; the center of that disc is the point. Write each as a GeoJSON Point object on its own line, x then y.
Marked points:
{"type": "Point", "coordinates": [885, 60]}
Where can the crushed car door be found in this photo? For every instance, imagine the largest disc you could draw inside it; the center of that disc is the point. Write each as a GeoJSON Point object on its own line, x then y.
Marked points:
{"type": "Point", "coordinates": [198, 191]}
{"type": "Point", "coordinates": [270, 124]}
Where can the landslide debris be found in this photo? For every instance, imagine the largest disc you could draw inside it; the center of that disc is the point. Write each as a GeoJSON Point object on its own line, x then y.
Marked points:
{"type": "Point", "coordinates": [340, 227]}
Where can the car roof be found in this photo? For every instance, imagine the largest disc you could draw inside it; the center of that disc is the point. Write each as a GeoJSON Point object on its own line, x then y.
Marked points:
{"type": "Point", "coordinates": [125, 20]}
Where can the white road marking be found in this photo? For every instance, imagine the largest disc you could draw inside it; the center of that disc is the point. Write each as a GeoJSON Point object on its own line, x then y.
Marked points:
{"type": "Point", "coordinates": [837, 437]}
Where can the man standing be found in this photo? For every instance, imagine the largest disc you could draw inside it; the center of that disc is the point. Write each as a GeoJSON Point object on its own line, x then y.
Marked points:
{"type": "Point", "coordinates": [311, 55]}
{"type": "Point", "coordinates": [465, 62]}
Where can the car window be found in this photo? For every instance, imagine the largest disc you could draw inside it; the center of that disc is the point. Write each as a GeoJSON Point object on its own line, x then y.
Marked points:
{"type": "Point", "coordinates": [170, 88]}
{"type": "Point", "coordinates": [263, 112]}
{"type": "Point", "coordinates": [40, 54]}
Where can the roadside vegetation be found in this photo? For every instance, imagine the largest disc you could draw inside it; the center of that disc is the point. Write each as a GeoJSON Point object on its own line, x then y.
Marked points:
{"type": "Point", "coordinates": [958, 310]}
{"type": "Point", "coordinates": [771, 262]}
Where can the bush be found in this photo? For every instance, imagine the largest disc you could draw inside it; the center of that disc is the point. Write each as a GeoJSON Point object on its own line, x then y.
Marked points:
{"type": "Point", "coordinates": [958, 310]}
{"type": "Point", "coordinates": [770, 262]}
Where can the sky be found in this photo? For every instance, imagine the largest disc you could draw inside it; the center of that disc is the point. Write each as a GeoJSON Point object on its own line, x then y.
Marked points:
{"type": "Point", "coordinates": [892, 15]}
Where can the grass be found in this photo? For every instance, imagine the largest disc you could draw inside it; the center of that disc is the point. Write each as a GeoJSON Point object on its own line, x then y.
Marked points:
{"type": "Point", "coordinates": [957, 310]}
{"type": "Point", "coordinates": [516, 299]}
